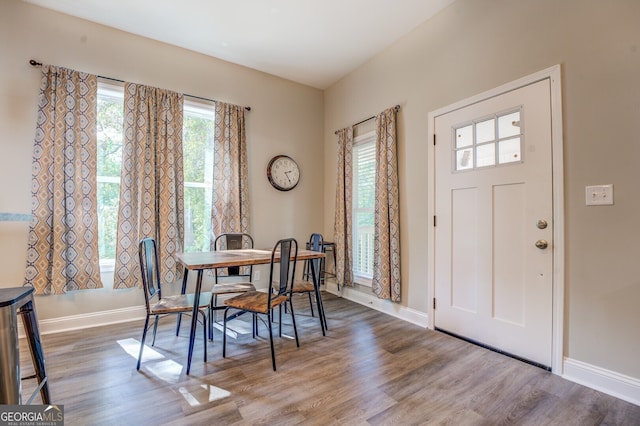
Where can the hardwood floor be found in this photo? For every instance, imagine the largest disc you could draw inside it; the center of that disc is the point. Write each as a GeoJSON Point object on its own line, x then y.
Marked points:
{"type": "Point", "coordinates": [370, 369]}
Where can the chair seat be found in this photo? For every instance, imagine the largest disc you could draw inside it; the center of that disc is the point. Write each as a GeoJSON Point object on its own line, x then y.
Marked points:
{"type": "Point", "coordinates": [303, 287]}
{"type": "Point", "coordinates": [240, 287]}
{"type": "Point", "coordinates": [254, 301]}
{"type": "Point", "coordinates": [179, 303]}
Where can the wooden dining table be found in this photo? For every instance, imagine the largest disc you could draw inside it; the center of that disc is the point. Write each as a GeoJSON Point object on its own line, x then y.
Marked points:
{"type": "Point", "coordinates": [201, 261]}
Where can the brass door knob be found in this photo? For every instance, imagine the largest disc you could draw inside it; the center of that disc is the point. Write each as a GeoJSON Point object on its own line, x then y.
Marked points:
{"type": "Point", "coordinates": [542, 244]}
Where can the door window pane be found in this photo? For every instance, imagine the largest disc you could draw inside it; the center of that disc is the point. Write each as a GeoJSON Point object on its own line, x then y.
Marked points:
{"type": "Point", "coordinates": [464, 136]}
{"type": "Point", "coordinates": [509, 125]}
{"type": "Point", "coordinates": [464, 159]}
{"type": "Point", "coordinates": [509, 151]}
{"type": "Point", "coordinates": [485, 131]}
{"type": "Point", "coordinates": [486, 155]}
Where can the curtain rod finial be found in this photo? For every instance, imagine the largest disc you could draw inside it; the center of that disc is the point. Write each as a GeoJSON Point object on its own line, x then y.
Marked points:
{"type": "Point", "coordinates": [35, 63]}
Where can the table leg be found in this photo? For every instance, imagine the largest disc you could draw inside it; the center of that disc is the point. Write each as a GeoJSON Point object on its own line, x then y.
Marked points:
{"type": "Point", "coordinates": [194, 319]}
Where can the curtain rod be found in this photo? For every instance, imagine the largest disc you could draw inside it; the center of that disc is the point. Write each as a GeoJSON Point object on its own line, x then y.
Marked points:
{"type": "Point", "coordinates": [397, 108]}
{"type": "Point", "coordinates": [35, 63]}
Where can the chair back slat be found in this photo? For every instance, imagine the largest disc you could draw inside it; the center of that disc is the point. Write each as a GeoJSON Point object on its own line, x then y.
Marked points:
{"type": "Point", "coordinates": [150, 270]}
{"type": "Point", "coordinates": [288, 249]}
{"type": "Point", "coordinates": [316, 243]}
{"type": "Point", "coordinates": [234, 241]}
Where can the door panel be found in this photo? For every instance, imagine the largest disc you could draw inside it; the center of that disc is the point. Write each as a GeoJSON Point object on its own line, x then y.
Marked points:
{"type": "Point", "coordinates": [493, 184]}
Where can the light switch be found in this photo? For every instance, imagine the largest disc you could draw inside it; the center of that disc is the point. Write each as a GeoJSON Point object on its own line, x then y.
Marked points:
{"type": "Point", "coordinates": [599, 195]}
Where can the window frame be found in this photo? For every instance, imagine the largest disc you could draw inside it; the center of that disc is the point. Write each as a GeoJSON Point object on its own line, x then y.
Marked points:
{"type": "Point", "coordinates": [495, 141]}
{"type": "Point", "coordinates": [203, 109]}
{"type": "Point", "coordinates": [111, 90]}
{"type": "Point", "coordinates": [359, 141]}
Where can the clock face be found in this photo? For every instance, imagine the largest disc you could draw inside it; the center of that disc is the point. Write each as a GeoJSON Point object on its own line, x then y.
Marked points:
{"type": "Point", "coordinates": [283, 173]}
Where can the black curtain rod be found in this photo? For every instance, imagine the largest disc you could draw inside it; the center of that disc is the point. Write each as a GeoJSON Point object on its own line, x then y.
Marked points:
{"type": "Point", "coordinates": [397, 108]}
{"type": "Point", "coordinates": [35, 63]}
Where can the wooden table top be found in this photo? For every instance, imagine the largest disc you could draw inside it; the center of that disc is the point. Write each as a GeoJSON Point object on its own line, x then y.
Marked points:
{"type": "Point", "coordinates": [243, 257]}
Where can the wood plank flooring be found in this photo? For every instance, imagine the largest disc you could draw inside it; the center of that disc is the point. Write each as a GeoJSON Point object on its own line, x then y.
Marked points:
{"type": "Point", "coordinates": [370, 369]}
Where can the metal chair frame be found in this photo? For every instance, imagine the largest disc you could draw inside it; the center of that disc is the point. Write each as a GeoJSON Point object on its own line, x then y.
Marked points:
{"type": "Point", "coordinates": [282, 286]}
{"type": "Point", "coordinates": [151, 284]}
{"type": "Point", "coordinates": [315, 271]}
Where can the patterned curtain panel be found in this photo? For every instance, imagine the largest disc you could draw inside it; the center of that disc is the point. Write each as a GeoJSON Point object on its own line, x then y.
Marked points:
{"type": "Point", "coordinates": [63, 238]}
{"type": "Point", "coordinates": [386, 251]}
{"type": "Point", "coordinates": [151, 182]}
{"type": "Point", "coordinates": [342, 225]}
{"type": "Point", "coordinates": [230, 201]}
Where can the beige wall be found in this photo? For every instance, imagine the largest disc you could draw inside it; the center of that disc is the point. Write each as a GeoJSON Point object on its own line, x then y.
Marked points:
{"type": "Point", "coordinates": [473, 46]}
{"type": "Point", "coordinates": [286, 118]}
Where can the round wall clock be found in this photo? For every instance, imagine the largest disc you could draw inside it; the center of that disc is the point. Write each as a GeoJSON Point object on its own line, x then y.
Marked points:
{"type": "Point", "coordinates": [283, 173]}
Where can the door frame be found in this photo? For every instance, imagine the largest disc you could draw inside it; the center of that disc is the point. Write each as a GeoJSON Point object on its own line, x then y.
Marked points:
{"type": "Point", "coordinates": [553, 74]}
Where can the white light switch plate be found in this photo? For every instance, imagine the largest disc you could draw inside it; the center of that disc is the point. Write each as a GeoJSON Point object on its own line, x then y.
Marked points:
{"type": "Point", "coordinates": [599, 195]}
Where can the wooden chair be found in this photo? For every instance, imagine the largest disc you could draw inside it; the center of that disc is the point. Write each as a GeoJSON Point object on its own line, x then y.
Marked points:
{"type": "Point", "coordinates": [279, 293]}
{"type": "Point", "coordinates": [231, 241]}
{"type": "Point", "coordinates": [312, 286]}
{"type": "Point", "coordinates": [158, 304]}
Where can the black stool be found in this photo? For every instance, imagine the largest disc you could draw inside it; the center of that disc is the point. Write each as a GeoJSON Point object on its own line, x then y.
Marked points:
{"type": "Point", "coordinates": [326, 245]}
{"type": "Point", "coordinates": [13, 302]}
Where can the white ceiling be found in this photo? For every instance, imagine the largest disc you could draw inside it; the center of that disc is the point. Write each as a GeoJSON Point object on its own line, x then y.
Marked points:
{"type": "Point", "coordinates": [314, 42]}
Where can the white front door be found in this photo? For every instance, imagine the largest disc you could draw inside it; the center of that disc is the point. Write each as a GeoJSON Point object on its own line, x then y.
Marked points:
{"type": "Point", "coordinates": [494, 213]}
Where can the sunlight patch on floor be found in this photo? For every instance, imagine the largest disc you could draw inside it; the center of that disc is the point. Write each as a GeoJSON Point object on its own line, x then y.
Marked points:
{"type": "Point", "coordinates": [132, 347]}
{"type": "Point", "coordinates": [235, 328]}
{"type": "Point", "coordinates": [167, 370]}
{"type": "Point", "coordinates": [203, 395]}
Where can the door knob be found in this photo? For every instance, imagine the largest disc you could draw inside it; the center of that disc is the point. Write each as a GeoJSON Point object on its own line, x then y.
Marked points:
{"type": "Point", "coordinates": [542, 224]}
{"type": "Point", "coordinates": [542, 244]}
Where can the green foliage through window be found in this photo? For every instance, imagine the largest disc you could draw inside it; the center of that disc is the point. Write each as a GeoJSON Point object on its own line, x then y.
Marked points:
{"type": "Point", "coordinates": [198, 128]}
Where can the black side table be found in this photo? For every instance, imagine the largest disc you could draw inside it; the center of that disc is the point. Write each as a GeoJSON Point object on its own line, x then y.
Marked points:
{"type": "Point", "coordinates": [13, 302]}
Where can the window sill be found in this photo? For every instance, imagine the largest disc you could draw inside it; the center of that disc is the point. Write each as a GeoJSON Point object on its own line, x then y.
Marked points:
{"type": "Point", "coordinates": [107, 265]}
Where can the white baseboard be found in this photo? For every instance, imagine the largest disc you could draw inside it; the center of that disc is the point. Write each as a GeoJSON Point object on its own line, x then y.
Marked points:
{"type": "Point", "coordinates": [93, 319]}
{"type": "Point", "coordinates": [370, 300]}
{"type": "Point", "coordinates": [615, 384]}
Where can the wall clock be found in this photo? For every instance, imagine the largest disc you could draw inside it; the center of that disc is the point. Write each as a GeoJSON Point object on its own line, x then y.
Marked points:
{"type": "Point", "coordinates": [283, 173]}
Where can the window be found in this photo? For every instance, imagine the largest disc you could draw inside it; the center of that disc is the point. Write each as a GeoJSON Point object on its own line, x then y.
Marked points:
{"type": "Point", "coordinates": [197, 145]}
{"type": "Point", "coordinates": [198, 133]}
{"type": "Point", "coordinates": [110, 115]}
{"type": "Point", "coordinates": [490, 141]}
{"type": "Point", "coordinates": [363, 193]}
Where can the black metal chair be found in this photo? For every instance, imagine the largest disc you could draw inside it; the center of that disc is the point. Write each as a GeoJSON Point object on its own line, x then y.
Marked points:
{"type": "Point", "coordinates": [234, 241]}
{"type": "Point", "coordinates": [311, 283]}
{"type": "Point", "coordinates": [158, 304]}
{"type": "Point", "coordinates": [231, 241]}
{"type": "Point", "coordinates": [279, 293]}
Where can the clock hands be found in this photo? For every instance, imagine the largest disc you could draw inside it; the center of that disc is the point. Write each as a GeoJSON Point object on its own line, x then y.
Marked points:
{"type": "Point", "coordinates": [287, 173]}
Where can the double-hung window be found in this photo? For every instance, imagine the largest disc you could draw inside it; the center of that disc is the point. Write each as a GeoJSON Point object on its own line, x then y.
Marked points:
{"type": "Point", "coordinates": [363, 194]}
{"type": "Point", "coordinates": [110, 115]}
{"type": "Point", "coordinates": [198, 132]}
{"type": "Point", "coordinates": [197, 145]}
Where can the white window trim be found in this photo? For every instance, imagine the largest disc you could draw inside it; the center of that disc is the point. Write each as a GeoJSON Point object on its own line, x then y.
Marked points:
{"type": "Point", "coordinates": [360, 279]}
